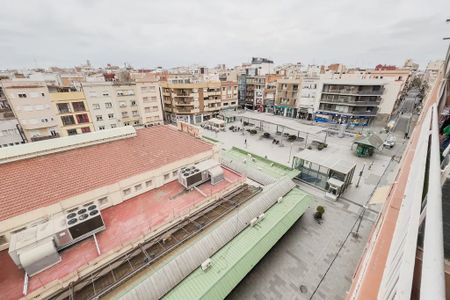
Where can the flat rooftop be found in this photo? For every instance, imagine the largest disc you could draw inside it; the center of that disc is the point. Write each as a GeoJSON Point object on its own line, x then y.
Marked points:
{"type": "Point", "coordinates": [125, 223]}
{"type": "Point", "coordinates": [329, 160]}
{"type": "Point", "coordinates": [73, 172]}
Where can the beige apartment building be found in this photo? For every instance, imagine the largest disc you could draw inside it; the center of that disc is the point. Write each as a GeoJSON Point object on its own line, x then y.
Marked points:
{"type": "Point", "coordinates": [191, 102]}
{"type": "Point", "coordinates": [286, 97]}
{"type": "Point", "coordinates": [149, 102]}
{"type": "Point", "coordinates": [125, 97]}
{"type": "Point", "coordinates": [102, 105]}
{"type": "Point", "coordinates": [31, 104]}
{"type": "Point", "coordinates": [229, 94]}
{"type": "Point", "coordinates": [72, 112]}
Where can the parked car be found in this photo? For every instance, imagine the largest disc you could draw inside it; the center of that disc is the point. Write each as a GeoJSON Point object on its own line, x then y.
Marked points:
{"type": "Point", "coordinates": [389, 142]}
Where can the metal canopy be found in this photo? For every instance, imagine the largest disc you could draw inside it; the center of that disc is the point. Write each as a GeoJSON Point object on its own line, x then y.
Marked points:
{"type": "Point", "coordinates": [329, 161]}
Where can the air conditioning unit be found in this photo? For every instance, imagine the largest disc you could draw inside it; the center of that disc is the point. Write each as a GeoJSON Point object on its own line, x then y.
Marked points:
{"type": "Point", "coordinates": [261, 217]}
{"type": "Point", "coordinates": [253, 222]}
{"type": "Point", "coordinates": [36, 248]}
{"type": "Point", "coordinates": [197, 174]}
{"type": "Point", "coordinates": [82, 222]}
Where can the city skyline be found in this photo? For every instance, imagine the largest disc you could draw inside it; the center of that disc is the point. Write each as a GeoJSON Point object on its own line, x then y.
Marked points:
{"type": "Point", "coordinates": [168, 35]}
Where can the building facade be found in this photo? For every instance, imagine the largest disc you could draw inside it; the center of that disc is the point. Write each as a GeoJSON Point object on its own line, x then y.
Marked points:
{"type": "Point", "coordinates": [102, 105]}
{"type": "Point", "coordinates": [72, 112]}
{"type": "Point", "coordinates": [149, 102]}
{"type": "Point", "coordinates": [191, 102]}
{"type": "Point", "coordinates": [31, 104]}
{"type": "Point", "coordinates": [354, 102]}
{"type": "Point", "coordinates": [287, 96]}
{"type": "Point", "coordinates": [125, 96]}
{"type": "Point", "coordinates": [310, 89]}
{"type": "Point", "coordinates": [10, 130]}
{"type": "Point", "coordinates": [229, 94]}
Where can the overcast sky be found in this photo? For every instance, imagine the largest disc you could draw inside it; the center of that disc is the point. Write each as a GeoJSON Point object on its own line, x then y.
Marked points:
{"type": "Point", "coordinates": [169, 33]}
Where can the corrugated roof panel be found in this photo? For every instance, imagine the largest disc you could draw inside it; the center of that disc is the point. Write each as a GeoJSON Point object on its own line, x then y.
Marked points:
{"type": "Point", "coordinates": [232, 263]}
{"type": "Point", "coordinates": [164, 279]}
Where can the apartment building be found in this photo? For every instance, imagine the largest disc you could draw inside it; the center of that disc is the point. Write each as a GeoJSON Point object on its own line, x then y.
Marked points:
{"type": "Point", "coordinates": [229, 94]}
{"type": "Point", "coordinates": [149, 102]}
{"type": "Point", "coordinates": [286, 97]}
{"type": "Point", "coordinates": [31, 104]}
{"type": "Point", "coordinates": [254, 92]}
{"type": "Point", "coordinates": [191, 102]}
{"type": "Point", "coordinates": [270, 90]}
{"type": "Point", "coordinates": [10, 131]}
{"type": "Point", "coordinates": [125, 96]}
{"type": "Point", "coordinates": [352, 101]}
{"type": "Point", "coordinates": [72, 112]}
{"type": "Point", "coordinates": [309, 91]}
{"type": "Point", "coordinates": [102, 105]}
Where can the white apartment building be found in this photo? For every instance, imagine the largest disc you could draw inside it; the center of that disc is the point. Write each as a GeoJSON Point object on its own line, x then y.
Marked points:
{"type": "Point", "coordinates": [30, 102]}
{"type": "Point", "coordinates": [307, 101]}
{"type": "Point", "coordinates": [10, 134]}
{"type": "Point", "coordinates": [102, 105]}
{"type": "Point", "coordinates": [125, 96]}
{"type": "Point", "coordinates": [149, 102]}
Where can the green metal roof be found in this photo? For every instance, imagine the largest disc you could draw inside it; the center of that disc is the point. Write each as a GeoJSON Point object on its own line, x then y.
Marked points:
{"type": "Point", "coordinates": [232, 263]}
{"type": "Point", "coordinates": [267, 166]}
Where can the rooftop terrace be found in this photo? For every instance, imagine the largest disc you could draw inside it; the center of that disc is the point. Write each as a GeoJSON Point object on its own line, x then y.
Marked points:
{"type": "Point", "coordinates": [126, 224]}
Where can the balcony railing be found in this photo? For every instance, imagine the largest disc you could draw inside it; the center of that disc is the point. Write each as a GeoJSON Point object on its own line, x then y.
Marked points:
{"type": "Point", "coordinates": [353, 92]}
{"type": "Point", "coordinates": [351, 102]}
{"type": "Point", "coordinates": [422, 204]}
{"type": "Point", "coordinates": [350, 113]}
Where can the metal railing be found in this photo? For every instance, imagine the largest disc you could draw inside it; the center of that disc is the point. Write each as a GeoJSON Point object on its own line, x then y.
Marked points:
{"type": "Point", "coordinates": [422, 203]}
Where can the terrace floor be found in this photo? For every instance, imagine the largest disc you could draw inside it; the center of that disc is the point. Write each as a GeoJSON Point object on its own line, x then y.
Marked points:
{"type": "Point", "coordinates": [125, 223]}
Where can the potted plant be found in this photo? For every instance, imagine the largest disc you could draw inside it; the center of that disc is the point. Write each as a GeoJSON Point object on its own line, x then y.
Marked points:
{"type": "Point", "coordinates": [320, 210]}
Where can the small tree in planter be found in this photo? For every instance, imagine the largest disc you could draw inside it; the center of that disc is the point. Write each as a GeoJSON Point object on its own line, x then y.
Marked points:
{"type": "Point", "coordinates": [320, 210]}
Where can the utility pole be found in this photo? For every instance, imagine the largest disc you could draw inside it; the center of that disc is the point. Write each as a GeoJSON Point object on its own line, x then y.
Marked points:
{"type": "Point", "coordinates": [360, 175]}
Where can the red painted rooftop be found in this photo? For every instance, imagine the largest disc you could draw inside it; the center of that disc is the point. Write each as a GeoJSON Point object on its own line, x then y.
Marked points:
{"type": "Point", "coordinates": [125, 223]}
{"type": "Point", "coordinates": [41, 181]}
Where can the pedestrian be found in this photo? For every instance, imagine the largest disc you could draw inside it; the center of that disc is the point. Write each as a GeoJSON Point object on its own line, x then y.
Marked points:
{"type": "Point", "coordinates": [245, 142]}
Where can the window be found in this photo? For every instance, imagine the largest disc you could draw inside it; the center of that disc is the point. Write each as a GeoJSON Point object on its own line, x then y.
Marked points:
{"type": "Point", "coordinates": [126, 123]}
{"type": "Point", "coordinates": [85, 129]}
{"type": "Point", "coordinates": [147, 109]}
{"type": "Point", "coordinates": [101, 127]}
{"type": "Point", "coordinates": [113, 125]}
{"type": "Point", "coordinates": [166, 176]}
{"type": "Point", "coordinates": [153, 98]}
{"type": "Point", "coordinates": [124, 114]}
{"type": "Point", "coordinates": [138, 187]}
{"type": "Point", "coordinates": [133, 103]}
{"type": "Point", "coordinates": [136, 122]}
{"type": "Point", "coordinates": [108, 105]}
{"type": "Point", "coordinates": [105, 94]}
{"type": "Point", "coordinates": [78, 106]}
{"type": "Point", "coordinates": [96, 106]}
{"type": "Point", "coordinates": [135, 113]}
{"type": "Point", "coordinates": [93, 94]}
{"type": "Point", "coordinates": [148, 183]}
{"type": "Point", "coordinates": [110, 116]}
{"type": "Point", "coordinates": [99, 118]}
{"type": "Point", "coordinates": [145, 99]}
{"type": "Point", "coordinates": [127, 191]}
{"type": "Point", "coordinates": [42, 94]}
{"type": "Point", "coordinates": [122, 104]}
{"type": "Point", "coordinates": [64, 108]}
{"type": "Point", "coordinates": [72, 132]}
{"type": "Point", "coordinates": [155, 107]}
{"type": "Point", "coordinates": [21, 95]}
{"type": "Point", "coordinates": [67, 120]}
{"type": "Point", "coordinates": [82, 118]}
{"type": "Point", "coordinates": [103, 201]}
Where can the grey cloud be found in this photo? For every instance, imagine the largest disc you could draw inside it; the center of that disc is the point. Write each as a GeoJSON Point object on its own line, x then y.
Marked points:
{"type": "Point", "coordinates": [181, 32]}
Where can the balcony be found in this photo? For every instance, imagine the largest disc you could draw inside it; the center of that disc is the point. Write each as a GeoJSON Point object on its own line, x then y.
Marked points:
{"type": "Point", "coordinates": [78, 106]}
{"type": "Point", "coordinates": [355, 92]}
{"type": "Point", "coordinates": [350, 102]}
{"type": "Point", "coordinates": [184, 103]}
{"type": "Point", "coordinates": [349, 113]}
